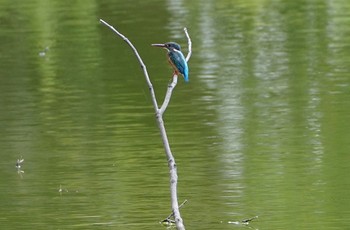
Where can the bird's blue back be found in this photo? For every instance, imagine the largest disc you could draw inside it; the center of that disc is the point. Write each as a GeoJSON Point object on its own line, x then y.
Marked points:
{"type": "Point", "coordinates": [180, 63]}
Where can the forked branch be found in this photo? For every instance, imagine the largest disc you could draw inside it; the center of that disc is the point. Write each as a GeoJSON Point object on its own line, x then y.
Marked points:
{"type": "Point", "coordinates": [160, 122]}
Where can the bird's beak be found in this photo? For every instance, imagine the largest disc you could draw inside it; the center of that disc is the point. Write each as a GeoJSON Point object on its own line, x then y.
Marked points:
{"type": "Point", "coordinates": [159, 45]}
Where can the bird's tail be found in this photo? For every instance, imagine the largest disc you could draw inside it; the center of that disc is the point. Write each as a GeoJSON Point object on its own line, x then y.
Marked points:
{"type": "Point", "coordinates": [186, 76]}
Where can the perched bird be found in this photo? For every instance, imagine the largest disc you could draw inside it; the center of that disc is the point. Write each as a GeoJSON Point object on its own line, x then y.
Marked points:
{"type": "Point", "coordinates": [176, 58]}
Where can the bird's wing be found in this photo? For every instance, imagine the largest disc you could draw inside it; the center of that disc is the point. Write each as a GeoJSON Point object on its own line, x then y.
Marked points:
{"type": "Point", "coordinates": [180, 62]}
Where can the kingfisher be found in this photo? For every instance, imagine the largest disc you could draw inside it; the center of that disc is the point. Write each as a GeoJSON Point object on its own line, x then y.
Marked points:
{"type": "Point", "coordinates": [176, 58]}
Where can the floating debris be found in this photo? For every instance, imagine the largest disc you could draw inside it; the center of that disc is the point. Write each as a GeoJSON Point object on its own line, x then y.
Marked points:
{"type": "Point", "coordinates": [61, 190]}
{"type": "Point", "coordinates": [243, 222]}
{"type": "Point", "coordinates": [43, 52]}
{"type": "Point", "coordinates": [19, 166]}
{"type": "Point", "coordinates": [246, 221]}
{"type": "Point", "coordinates": [19, 162]}
{"type": "Point", "coordinates": [167, 222]}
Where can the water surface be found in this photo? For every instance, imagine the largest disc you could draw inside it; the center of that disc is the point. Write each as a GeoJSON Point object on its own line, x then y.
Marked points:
{"type": "Point", "coordinates": [260, 130]}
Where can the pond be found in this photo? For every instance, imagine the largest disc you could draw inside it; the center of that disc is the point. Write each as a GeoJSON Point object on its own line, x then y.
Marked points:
{"type": "Point", "coordinates": [261, 129]}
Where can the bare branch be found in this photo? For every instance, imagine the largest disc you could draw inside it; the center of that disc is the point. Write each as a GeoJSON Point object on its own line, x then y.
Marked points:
{"type": "Point", "coordinates": [168, 94]}
{"type": "Point", "coordinates": [160, 122]}
{"type": "Point", "coordinates": [189, 45]}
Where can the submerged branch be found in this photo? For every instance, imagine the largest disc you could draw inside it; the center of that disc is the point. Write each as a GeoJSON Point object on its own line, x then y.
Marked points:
{"type": "Point", "coordinates": [168, 219]}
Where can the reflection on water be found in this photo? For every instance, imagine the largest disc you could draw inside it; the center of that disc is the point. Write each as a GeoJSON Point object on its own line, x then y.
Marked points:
{"type": "Point", "coordinates": [261, 129]}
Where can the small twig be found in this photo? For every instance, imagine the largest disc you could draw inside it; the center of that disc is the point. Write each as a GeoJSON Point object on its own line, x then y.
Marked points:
{"type": "Point", "coordinates": [189, 45]}
{"type": "Point", "coordinates": [246, 221]}
{"type": "Point", "coordinates": [183, 203]}
{"type": "Point", "coordinates": [168, 218]}
{"type": "Point", "coordinates": [243, 222]}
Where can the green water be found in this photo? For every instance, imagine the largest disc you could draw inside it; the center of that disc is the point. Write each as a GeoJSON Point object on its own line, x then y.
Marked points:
{"type": "Point", "coordinates": [260, 130]}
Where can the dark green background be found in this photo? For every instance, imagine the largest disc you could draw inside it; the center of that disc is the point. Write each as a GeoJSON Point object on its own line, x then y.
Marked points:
{"type": "Point", "coordinates": [261, 129]}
